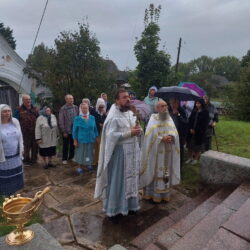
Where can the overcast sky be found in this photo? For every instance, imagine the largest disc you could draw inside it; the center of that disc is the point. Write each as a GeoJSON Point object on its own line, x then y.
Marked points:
{"type": "Point", "coordinates": [208, 27]}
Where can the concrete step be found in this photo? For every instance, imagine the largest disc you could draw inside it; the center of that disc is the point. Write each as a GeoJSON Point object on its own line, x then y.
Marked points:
{"type": "Point", "coordinates": [149, 236]}
{"type": "Point", "coordinates": [178, 230]}
{"type": "Point", "coordinates": [200, 235]}
{"type": "Point", "coordinates": [234, 233]}
{"type": "Point", "coordinates": [224, 239]}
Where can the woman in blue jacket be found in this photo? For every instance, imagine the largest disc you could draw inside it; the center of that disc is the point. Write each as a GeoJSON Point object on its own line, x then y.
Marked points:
{"type": "Point", "coordinates": [84, 135]}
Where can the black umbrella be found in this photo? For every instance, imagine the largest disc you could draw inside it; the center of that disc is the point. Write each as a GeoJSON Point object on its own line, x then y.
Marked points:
{"type": "Point", "coordinates": [180, 93]}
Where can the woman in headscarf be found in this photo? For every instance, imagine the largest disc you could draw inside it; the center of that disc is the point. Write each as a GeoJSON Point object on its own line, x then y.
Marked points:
{"type": "Point", "coordinates": [151, 99]}
{"type": "Point", "coordinates": [84, 135]}
{"type": "Point", "coordinates": [46, 134]}
{"type": "Point", "coordinates": [91, 109]}
{"type": "Point", "coordinates": [100, 116]}
{"type": "Point", "coordinates": [11, 151]}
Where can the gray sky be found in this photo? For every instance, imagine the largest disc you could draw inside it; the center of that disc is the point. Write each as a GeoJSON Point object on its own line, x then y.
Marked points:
{"type": "Point", "coordinates": [208, 27]}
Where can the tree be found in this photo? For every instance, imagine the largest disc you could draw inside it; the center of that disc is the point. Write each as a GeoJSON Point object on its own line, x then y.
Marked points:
{"type": "Point", "coordinates": [240, 93]}
{"type": "Point", "coordinates": [7, 33]}
{"type": "Point", "coordinates": [228, 66]}
{"type": "Point", "coordinates": [74, 66]}
{"type": "Point", "coordinates": [153, 64]}
{"type": "Point", "coordinates": [246, 59]}
{"type": "Point", "coordinates": [201, 65]}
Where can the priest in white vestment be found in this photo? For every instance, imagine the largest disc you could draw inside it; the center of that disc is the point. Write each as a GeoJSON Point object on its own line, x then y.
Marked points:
{"type": "Point", "coordinates": [119, 160]}
{"type": "Point", "coordinates": [160, 166]}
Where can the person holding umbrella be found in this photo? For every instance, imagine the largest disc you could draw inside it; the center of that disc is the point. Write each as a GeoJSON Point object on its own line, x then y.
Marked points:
{"type": "Point", "coordinates": [198, 124]}
{"type": "Point", "coordinates": [180, 119]}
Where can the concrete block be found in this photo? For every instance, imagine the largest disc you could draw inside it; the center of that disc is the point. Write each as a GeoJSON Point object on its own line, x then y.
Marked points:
{"type": "Point", "coordinates": [221, 168]}
{"type": "Point", "coordinates": [42, 241]}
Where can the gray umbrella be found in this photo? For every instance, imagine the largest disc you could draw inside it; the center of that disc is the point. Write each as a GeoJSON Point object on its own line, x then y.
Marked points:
{"type": "Point", "coordinates": [180, 93]}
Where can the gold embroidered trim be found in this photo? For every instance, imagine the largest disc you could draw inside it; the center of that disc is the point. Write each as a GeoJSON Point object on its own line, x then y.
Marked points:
{"type": "Point", "coordinates": [151, 145]}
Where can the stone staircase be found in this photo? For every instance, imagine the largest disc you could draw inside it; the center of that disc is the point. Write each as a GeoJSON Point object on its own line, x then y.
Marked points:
{"type": "Point", "coordinates": [213, 220]}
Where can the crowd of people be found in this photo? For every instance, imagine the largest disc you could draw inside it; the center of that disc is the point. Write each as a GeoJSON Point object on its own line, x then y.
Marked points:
{"type": "Point", "coordinates": [129, 155]}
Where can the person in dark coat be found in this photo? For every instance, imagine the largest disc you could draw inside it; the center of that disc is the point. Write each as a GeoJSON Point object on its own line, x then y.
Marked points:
{"type": "Point", "coordinates": [180, 119]}
{"type": "Point", "coordinates": [213, 119]}
{"type": "Point", "coordinates": [198, 124]}
{"type": "Point", "coordinates": [27, 115]}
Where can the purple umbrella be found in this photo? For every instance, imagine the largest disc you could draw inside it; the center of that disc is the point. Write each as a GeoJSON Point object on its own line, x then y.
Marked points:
{"type": "Point", "coordinates": [143, 108]}
{"type": "Point", "coordinates": [195, 87]}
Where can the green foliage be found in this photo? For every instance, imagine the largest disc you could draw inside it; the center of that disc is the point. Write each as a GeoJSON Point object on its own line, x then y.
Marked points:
{"type": "Point", "coordinates": [246, 60]}
{"type": "Point", "coordinates": [153, 64]}
{"type": "Point", "coordinates": [74, 66]}
{"type": "Point", "coordinates": [233, 137]}
{"type": "Point", "coordinates": [239, 96]}
{"type": "Point", "coordinates": [201, 65]}
{"type": "Point", "coordinates": [228, 66]}
{"type": "Point", "coordinates": [7, 33]}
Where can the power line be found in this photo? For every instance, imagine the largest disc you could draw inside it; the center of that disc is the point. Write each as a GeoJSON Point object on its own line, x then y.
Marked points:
{"type": "Point", "coordinates": [33, 46]}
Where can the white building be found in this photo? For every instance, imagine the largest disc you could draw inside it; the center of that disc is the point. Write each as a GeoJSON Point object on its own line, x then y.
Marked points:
{"type": "Point", "coordinates": [13, 82]}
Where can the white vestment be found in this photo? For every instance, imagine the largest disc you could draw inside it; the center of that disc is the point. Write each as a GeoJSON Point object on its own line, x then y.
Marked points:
{"type": "Point", "coordinates": [160, 164]}
{"type": "Point", "coordinates": [117, 131]}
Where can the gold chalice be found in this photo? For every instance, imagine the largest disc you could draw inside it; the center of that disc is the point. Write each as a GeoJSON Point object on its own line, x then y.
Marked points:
{"type": "Point", "coordinates": [17, 211]}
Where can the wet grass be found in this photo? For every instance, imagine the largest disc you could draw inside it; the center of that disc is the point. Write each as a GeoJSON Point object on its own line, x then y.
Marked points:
{"type": "Point", "coordinates": [233, 137]}
{"type": "Point", "coordinates": [36, 218]}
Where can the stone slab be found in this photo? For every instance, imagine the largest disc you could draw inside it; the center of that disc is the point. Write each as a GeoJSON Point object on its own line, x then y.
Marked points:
{"type": "Point", "coordinates": [187, 223]}
{"type": "Point", "coordinates": [223, 239]}
{"type": "Point", "coordinates": [61, 193]}
{"type": "Point", "coordinates": [201, 233]}
{"type": "Point", "coordinates": [73, 247]}
{"type": "Point", "coordinates": [73, 204]}
{"type": "Point", "coordinates": [67, 175]}
{"type": "Point", "coordinates": [150, 234]}
{"type": "Point", "coordinates": [238, 197]}
{"type": "Point", "coordinates": [178, 230]}
{"type": "Point", "coordinates": [47, 214]}
{"type": "Point", "coordinates": [33, 171]}
{"type": "Point", "coordinates": [87, 226]}
{"type": "Point", "coordinates": [117, 247]}
{"type": "Point", "coordinates": [152, 247]}
{"type": "Point", "coordinates": [49, 201]}
{"type": "Point", "coordinates": [42, 241]}
{"type": "Point", "coordinates": [36, 182]}
{"type": "Point", "coordinates": [221, 168]}
{"type": "Point", "coordinates": [190, 206]}
{"type": "Point", "coordinates": [168, 238]}
{"type": "Point", "coordinates": [239, 222]}
{"type": "Point", "coordinates": [60, 229]}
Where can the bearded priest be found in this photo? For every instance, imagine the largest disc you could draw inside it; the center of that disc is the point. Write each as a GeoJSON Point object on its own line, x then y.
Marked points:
{"type": "Point", "coordinates": [117, 180]}
{"type": "Point", "coordinates": [160, 168]}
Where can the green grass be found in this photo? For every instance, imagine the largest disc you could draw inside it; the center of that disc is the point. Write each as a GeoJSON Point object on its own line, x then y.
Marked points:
{"type": "Point", "coordinates": [36, 218]}
{"type": "Point", "coordinates": [233, 137]}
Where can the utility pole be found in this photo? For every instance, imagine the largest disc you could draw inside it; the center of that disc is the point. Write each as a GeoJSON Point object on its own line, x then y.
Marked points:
{"type": "Point", "coordinates": [178, 56]}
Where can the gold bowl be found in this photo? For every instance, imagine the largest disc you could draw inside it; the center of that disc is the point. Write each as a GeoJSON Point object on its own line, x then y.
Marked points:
{"type": "Point", "coordinates": [14, 216]}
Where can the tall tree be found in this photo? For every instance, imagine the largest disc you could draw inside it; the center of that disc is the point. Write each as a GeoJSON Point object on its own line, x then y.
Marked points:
{"type": "Point", "coordinates": [74, 66]}
{"type": "Point", "coordinates": [240, 93]}
{"type": "Point", "coordinates": [246, 60]}
{"type": "Point", "coordinates": [153, 64]}
{"type": "Point", "coordinates": [228, 66]}
{"type": "Point", "coordinates": [7, 33]}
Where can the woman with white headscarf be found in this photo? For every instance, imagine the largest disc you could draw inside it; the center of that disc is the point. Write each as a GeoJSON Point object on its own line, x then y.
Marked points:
{"type": "Point", "coordinates": [11, 150]}
{"type": "Point", "coordinates": [100, 116]}
{"type": "Point", "coordinates": [46, 134]}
